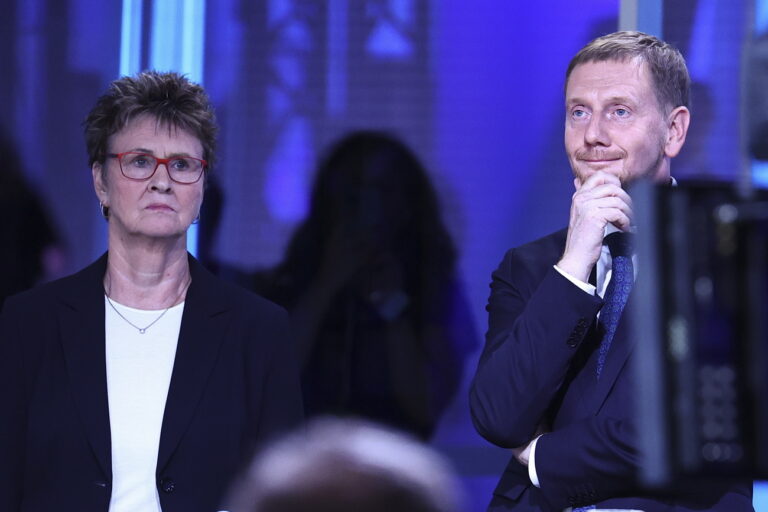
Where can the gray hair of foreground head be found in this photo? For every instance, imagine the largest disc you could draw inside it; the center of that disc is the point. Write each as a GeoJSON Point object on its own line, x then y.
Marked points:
{"type": "Point", "coordinates": [340, 465]}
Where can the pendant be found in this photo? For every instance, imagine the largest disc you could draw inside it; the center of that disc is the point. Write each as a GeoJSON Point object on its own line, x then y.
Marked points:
{"type": "Point", "coordinates": [142, 331]}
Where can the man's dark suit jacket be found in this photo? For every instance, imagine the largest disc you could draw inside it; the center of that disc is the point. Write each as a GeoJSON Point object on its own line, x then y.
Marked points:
{"type": "Point", "coordinates": [538, 365]}
{"type": "Point", "coordinates": [234, 385]}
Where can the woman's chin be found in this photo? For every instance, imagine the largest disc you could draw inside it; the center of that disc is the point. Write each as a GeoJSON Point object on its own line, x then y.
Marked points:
{"type": "Point", "coordinates": [159, 231]}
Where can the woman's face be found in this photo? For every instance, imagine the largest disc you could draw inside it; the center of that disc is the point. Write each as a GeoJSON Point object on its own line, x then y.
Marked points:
{"type": "Point", "coordinates": [157, 207]}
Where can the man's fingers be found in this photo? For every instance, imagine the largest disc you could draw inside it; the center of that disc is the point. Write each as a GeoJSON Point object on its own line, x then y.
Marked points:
{"type": "Point", "coordinates": [607, 210]}
{"type": "Point", "coordinates": [599, 212]}
{"type": "Point", "coordinates": [606, 196]}
{"type": "Point", "coordinates": [585, 204]}
{"type": "Point", "coordinates": [605, 190]}
{"type": "Point", "coordinates": [600, 178]}
{"type": "Point", "coordinates": [619, 219]}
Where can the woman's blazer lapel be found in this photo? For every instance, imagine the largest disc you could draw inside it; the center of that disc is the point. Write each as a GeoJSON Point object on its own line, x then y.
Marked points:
{"type": "Point", "coordinates": [81, 320]}
{"type": "Point", "coordinates": [204, 323]}
{"type": "Point", "coordinates": [81, 324]}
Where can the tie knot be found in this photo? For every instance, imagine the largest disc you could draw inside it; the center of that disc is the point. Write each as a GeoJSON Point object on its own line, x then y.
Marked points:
{"type": "Point", "coordinates": [620, 243]}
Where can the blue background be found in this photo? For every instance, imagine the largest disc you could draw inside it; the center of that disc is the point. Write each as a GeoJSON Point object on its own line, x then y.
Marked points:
{"type": "Point", "coordinates": [475, 87]}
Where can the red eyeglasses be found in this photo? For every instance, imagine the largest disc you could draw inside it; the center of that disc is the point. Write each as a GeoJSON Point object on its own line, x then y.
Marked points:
{"type": "Point", "coordinates": [142, 166]}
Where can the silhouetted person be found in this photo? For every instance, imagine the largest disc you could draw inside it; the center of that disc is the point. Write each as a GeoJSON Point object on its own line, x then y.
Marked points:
{"type": "Point", "coordinates": [25, 228]}
{"type": "Point", "coordinates": [348, 466]}
{"type": "Point", "coordinates": [369, 280]}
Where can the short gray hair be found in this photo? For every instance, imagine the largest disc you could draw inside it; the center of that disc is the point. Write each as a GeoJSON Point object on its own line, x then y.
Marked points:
{"type": "Point", "coordinates": [345, 465]}
{"type": "Point", "coordinates": [169, 97]}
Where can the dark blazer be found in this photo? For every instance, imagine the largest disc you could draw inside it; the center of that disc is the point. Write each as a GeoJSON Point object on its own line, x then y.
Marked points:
{"type": "Point", "coordinates": [234, 385]}
{"type": "Point", "coordinates": [538, 367]}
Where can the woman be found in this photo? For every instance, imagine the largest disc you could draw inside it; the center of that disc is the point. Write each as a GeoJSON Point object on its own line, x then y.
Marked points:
{"type": "Point", "coordinates": [381, 324]}
{"type": "Point", "coordinates": [142, 382]}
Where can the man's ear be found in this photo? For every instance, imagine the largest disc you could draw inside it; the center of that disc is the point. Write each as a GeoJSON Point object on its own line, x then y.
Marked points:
{"type": "Point", "coordinates": [677, 128]}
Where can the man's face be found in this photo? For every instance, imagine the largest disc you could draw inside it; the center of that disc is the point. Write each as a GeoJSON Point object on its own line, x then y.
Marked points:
{"type": "Point", "coordinates": [614, 122]}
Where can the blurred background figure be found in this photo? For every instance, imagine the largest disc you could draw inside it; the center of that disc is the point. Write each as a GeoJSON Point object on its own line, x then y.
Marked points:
{"type": "Point", "coordinates": [214, 198]}
{"type": "Point", "coordinates": [381, 325]}
{"type": "Point", "coordinates": [31, 248]}
{"type": "Point", "coordinates": [348, 466]}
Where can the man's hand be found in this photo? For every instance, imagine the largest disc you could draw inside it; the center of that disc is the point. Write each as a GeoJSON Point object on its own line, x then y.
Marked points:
{"type": "Point", "coordinates": [598, 201]}
{"type": "Point", "coordinates": [523, 453]}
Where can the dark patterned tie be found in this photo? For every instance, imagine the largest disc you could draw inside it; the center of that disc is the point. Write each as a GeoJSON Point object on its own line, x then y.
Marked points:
{"type": "Point", "coordinates": [617, 293]}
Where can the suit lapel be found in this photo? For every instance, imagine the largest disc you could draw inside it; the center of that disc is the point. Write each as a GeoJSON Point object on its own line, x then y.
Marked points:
{"type": "Point", "coordinates": [587, 388]}
{"type": "Point", "coordinates": [81, 322]}
{"type": "Point", "coordinates": [203, 326]}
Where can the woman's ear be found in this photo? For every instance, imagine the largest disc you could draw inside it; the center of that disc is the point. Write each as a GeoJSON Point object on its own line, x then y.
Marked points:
{"type": "Point", "coordinates": [99, 182]}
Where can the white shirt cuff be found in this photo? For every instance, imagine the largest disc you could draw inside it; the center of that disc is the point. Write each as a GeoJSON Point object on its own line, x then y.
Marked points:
{"type": "Point", "coordinates": [532, 464]}
{"type": "Point", "coordinates": [589, 288]}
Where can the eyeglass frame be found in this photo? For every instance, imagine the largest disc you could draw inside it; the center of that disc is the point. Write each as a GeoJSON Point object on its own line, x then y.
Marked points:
{"type": "Point", "coordinates": [163, 161]}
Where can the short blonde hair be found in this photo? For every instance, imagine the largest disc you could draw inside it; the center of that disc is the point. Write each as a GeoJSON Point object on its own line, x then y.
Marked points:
{"type": "Point", "coordinates": [665, 62]}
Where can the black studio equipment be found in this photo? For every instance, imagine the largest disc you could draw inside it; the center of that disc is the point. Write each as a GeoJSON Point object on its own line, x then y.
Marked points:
{"type": "Point", "coordinates": [700, 318]}
{"type": "Point", "coordinates": [756, 105]}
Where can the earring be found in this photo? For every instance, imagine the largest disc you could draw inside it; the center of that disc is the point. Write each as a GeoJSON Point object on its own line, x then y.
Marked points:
{"type": "Point", "coordinates": [104, 209]}
{"type": "Point", "coordinates": [196, 219]}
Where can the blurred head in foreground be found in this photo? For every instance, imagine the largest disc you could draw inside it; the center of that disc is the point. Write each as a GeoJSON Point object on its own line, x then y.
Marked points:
{"type": "Point", "coordinates": [344, 466]}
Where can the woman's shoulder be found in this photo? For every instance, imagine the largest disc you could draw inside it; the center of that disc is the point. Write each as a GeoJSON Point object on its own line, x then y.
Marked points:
{"type": "Point", "coordinates": [72, 289]}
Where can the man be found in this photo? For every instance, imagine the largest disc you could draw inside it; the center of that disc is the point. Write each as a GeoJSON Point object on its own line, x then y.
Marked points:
{"type": "Point", "coordinates": [554, 382]}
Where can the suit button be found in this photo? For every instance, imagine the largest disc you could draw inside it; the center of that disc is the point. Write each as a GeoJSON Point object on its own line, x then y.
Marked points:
{"type": "Point", "coordinates": [572, 341]}
{"type": "Point", "coordinates": [167, 485]}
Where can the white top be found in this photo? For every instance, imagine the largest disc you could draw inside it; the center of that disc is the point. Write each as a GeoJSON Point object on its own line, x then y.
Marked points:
{"type": "Point", "coordinates": [139, 368]}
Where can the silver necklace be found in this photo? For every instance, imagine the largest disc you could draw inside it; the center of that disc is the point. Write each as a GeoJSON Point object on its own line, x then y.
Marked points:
{"type": "Point", "coordinates": [142, 330]}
